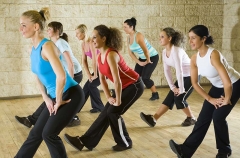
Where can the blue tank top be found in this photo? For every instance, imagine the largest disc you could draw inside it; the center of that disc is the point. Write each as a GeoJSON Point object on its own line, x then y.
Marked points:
{"type": "Point", "coordinates": [135, 48]}
{"type": "Point", "coordinates": [45, 73]}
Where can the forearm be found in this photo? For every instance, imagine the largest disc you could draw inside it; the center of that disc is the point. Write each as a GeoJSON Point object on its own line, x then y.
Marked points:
{"type": "Point", "coordinates": [201, 91]}
{"type": "Point", "coordinates": [71, 70]}
{"type": "Point", "coordinates": [85, 64]}
{"type": "Point", "coordinates": [133, 57]}
{"type": "Point", "coordinates": [105, 89]}
{"type": "Point", "coordinates": [146, 53]}
{"type": "Point", "coordinates": [228, 91]}
{"type": "Point", "coordinates": [94, 65]}
{"type": "Point", "coordinates": [118, 90]}
{"type": "Point", "coordinates": [42, 89]}
{"type": "Point", "coordinates": [60, 83]}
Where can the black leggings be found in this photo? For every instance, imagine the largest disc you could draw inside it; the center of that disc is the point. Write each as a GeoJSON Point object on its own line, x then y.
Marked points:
{"type": "Point", "coordinates": [207, 114]}
{"type": "Point", "coordinates": [146, 71]}
{"type": "Point", "coordinates": [181, 100]}
{"type": "Point", "coordinates": [47, 127]}
{"type": "Point", "coordinates": [111, 115]}
{"type": "Point", "coordinates": [34, 117]}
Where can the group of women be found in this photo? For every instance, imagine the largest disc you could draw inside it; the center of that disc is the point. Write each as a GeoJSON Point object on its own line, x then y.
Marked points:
{"type": "Point", "coordinates": [63, 97]}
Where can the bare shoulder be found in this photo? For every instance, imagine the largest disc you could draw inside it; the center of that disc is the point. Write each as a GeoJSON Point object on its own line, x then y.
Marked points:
{"type": "Point", "coordinates": [193, 58]}
{"type": "Point", "coordinates": [215, 53]}
{"type": "Point", "coordinates": [49, 48]}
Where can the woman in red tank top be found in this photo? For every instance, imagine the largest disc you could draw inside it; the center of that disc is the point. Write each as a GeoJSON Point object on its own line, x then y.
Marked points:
{"type": "Point", "coordinates": [128, 88]}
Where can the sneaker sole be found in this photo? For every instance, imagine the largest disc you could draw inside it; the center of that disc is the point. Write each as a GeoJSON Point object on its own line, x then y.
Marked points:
{"type": "Point", "coordinates": [66, 139]}
{"type": "Point", "coordinates": [171, 144]}
{"type": "Point", "coordinates": [143, 118]}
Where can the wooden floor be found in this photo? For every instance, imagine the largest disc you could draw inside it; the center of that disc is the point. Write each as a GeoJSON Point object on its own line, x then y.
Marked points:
{"type": "Point", "coordinates": [147, 142]}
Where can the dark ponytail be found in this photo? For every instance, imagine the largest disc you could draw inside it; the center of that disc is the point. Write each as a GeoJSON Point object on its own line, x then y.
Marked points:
{"type": "Point", "coordinates": [202, 31]}
{"type": "Point", "coordinates": [131, 22]}
{"type": "Point", "coordinates": [64, 36]}
{"type": "Point", "coordinates": [178, 39]}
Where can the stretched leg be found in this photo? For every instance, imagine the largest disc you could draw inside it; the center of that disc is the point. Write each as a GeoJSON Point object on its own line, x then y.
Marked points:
{"type": "Point", "coordinates": [48, 127]}
{"type": "Point", "coordinates": [34, 117]}
{"type": "Point", "coordinates": [96, 101]}
{"type": "Point", "coordinates": [94, 134]}
{"type": "Point", "coordinates": [220, 123]}
{"type": "Point", "coordinates": [129, 96]}
{"type": "Point", "coordinates": [30, 146]}
{"type": "Point", "coordinates": [188, 112]}
{"type": "Point", "coordinates": [201, 126]}
{"type": "Point", "coordinates": [166, 104]}
{"type": "Point", "coordinates": [161, 110]}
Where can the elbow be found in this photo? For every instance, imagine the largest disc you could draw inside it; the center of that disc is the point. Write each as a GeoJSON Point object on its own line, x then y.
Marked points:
{"type": "Point", "coordinates": [62, 78]}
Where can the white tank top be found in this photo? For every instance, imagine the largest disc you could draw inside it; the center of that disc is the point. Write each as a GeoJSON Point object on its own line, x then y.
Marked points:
{"type": "Point", "coordinates": [206, 69]}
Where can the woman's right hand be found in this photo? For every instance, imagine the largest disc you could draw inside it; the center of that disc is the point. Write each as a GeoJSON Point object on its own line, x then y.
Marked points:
{"type": "Point", "coordinates": [50, 104]}
{"type": "Point", "coordinates": [90, 78]}
{"type": "Point", "coordinates": [93, 77]}
{"type": "Point", "coordinates": [111, 100]}
{"type": "Point", "coordinates": [216, 102]}
{"type": "Point", "coordinates": [142, 63]}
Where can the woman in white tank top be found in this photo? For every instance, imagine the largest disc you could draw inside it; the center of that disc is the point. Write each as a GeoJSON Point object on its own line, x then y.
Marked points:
{"type": "Point", "coordinates": [220, 99]}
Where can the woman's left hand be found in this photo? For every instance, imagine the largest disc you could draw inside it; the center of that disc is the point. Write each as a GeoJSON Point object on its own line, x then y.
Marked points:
{"type": "Point", "coordinates": [111, 100]}
{"type": "Point", "coordinates": [222, 101]}
{"type": "Point", "coordinates": [93, 77]}
{"type": "Point", "coordinates": [149, 61]}
{"type": "Point", "coordinates": [117, 103]}
{"type": "Point", "coordinates": [58, 104]}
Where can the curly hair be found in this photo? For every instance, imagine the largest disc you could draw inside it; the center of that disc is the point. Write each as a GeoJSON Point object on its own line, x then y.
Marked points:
{"type": "Point", "coordinates": [113, 36]}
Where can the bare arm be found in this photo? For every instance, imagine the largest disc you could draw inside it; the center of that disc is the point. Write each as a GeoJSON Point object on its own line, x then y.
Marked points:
{"type": "Point", "coordinates": [140, 41]}
{"type": "Point", "coordinates": [47, 100]}
{"type": "Point", "coordinates": [94, 60]}
{"type": "Point", "coordinates": [227, 85]}
{"type": "Point", "coordinates": [85, 63]}
{"type": "Point", "coordinates": [194, 78]}
{"type": "Point", "coordinates": [104, 85]}
{"type": "Point", "coordinates": [70, 64]}
{"type": "Point", "coordinates": [113, 59]}
{"type": "Point", "coordinates": [132, 55]}
{"type": "Point", "coordinates": [51, 53]}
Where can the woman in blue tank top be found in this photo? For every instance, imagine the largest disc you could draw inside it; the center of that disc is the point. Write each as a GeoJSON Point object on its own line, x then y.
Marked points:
{"type": "Point", "coordinates": [148, 56]}
{"type": "Point", "coordinates": [69, 62]}
{"type": "Point", "coordinates": [65, 96]}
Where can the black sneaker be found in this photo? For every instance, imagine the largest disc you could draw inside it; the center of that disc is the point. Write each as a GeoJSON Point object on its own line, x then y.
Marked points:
{"type": "Point", "coordinates": [155, 96]}
{"type": "Point", "coordinates": [74, 142]}
{"type": "Point", "coordinates": [189, 121]}
{"type": "Point", "coordinates": [176, 149]}
{"type": "Point", "coordinates": [24, 121]}
{"type": "Point", "coordinates": [223, 155]}
{"type": "Point", "coordinates": [121, 148]}
{"type": "Point", "coordinates": [75, 122]}
{"type": "Point", "coordinates": [148, 119]}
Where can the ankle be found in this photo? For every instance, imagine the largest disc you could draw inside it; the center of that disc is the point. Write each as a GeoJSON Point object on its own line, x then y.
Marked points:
{"type": "Point", "coordinates": [155, 120]}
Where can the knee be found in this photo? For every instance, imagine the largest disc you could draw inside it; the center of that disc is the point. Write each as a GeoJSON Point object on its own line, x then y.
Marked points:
{"type": "Point", "coordinates": [34, 133]}
{"type": "Point", "coordinates": [217, 120]}
{"type": "Point", "coordinates": [148, 83]}
{"type": "Point", "coordinates": [48, 137]}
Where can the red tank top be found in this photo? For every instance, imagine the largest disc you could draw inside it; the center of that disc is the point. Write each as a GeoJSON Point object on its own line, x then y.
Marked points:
{"type": "Point", "coordinates": [127, 75]}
